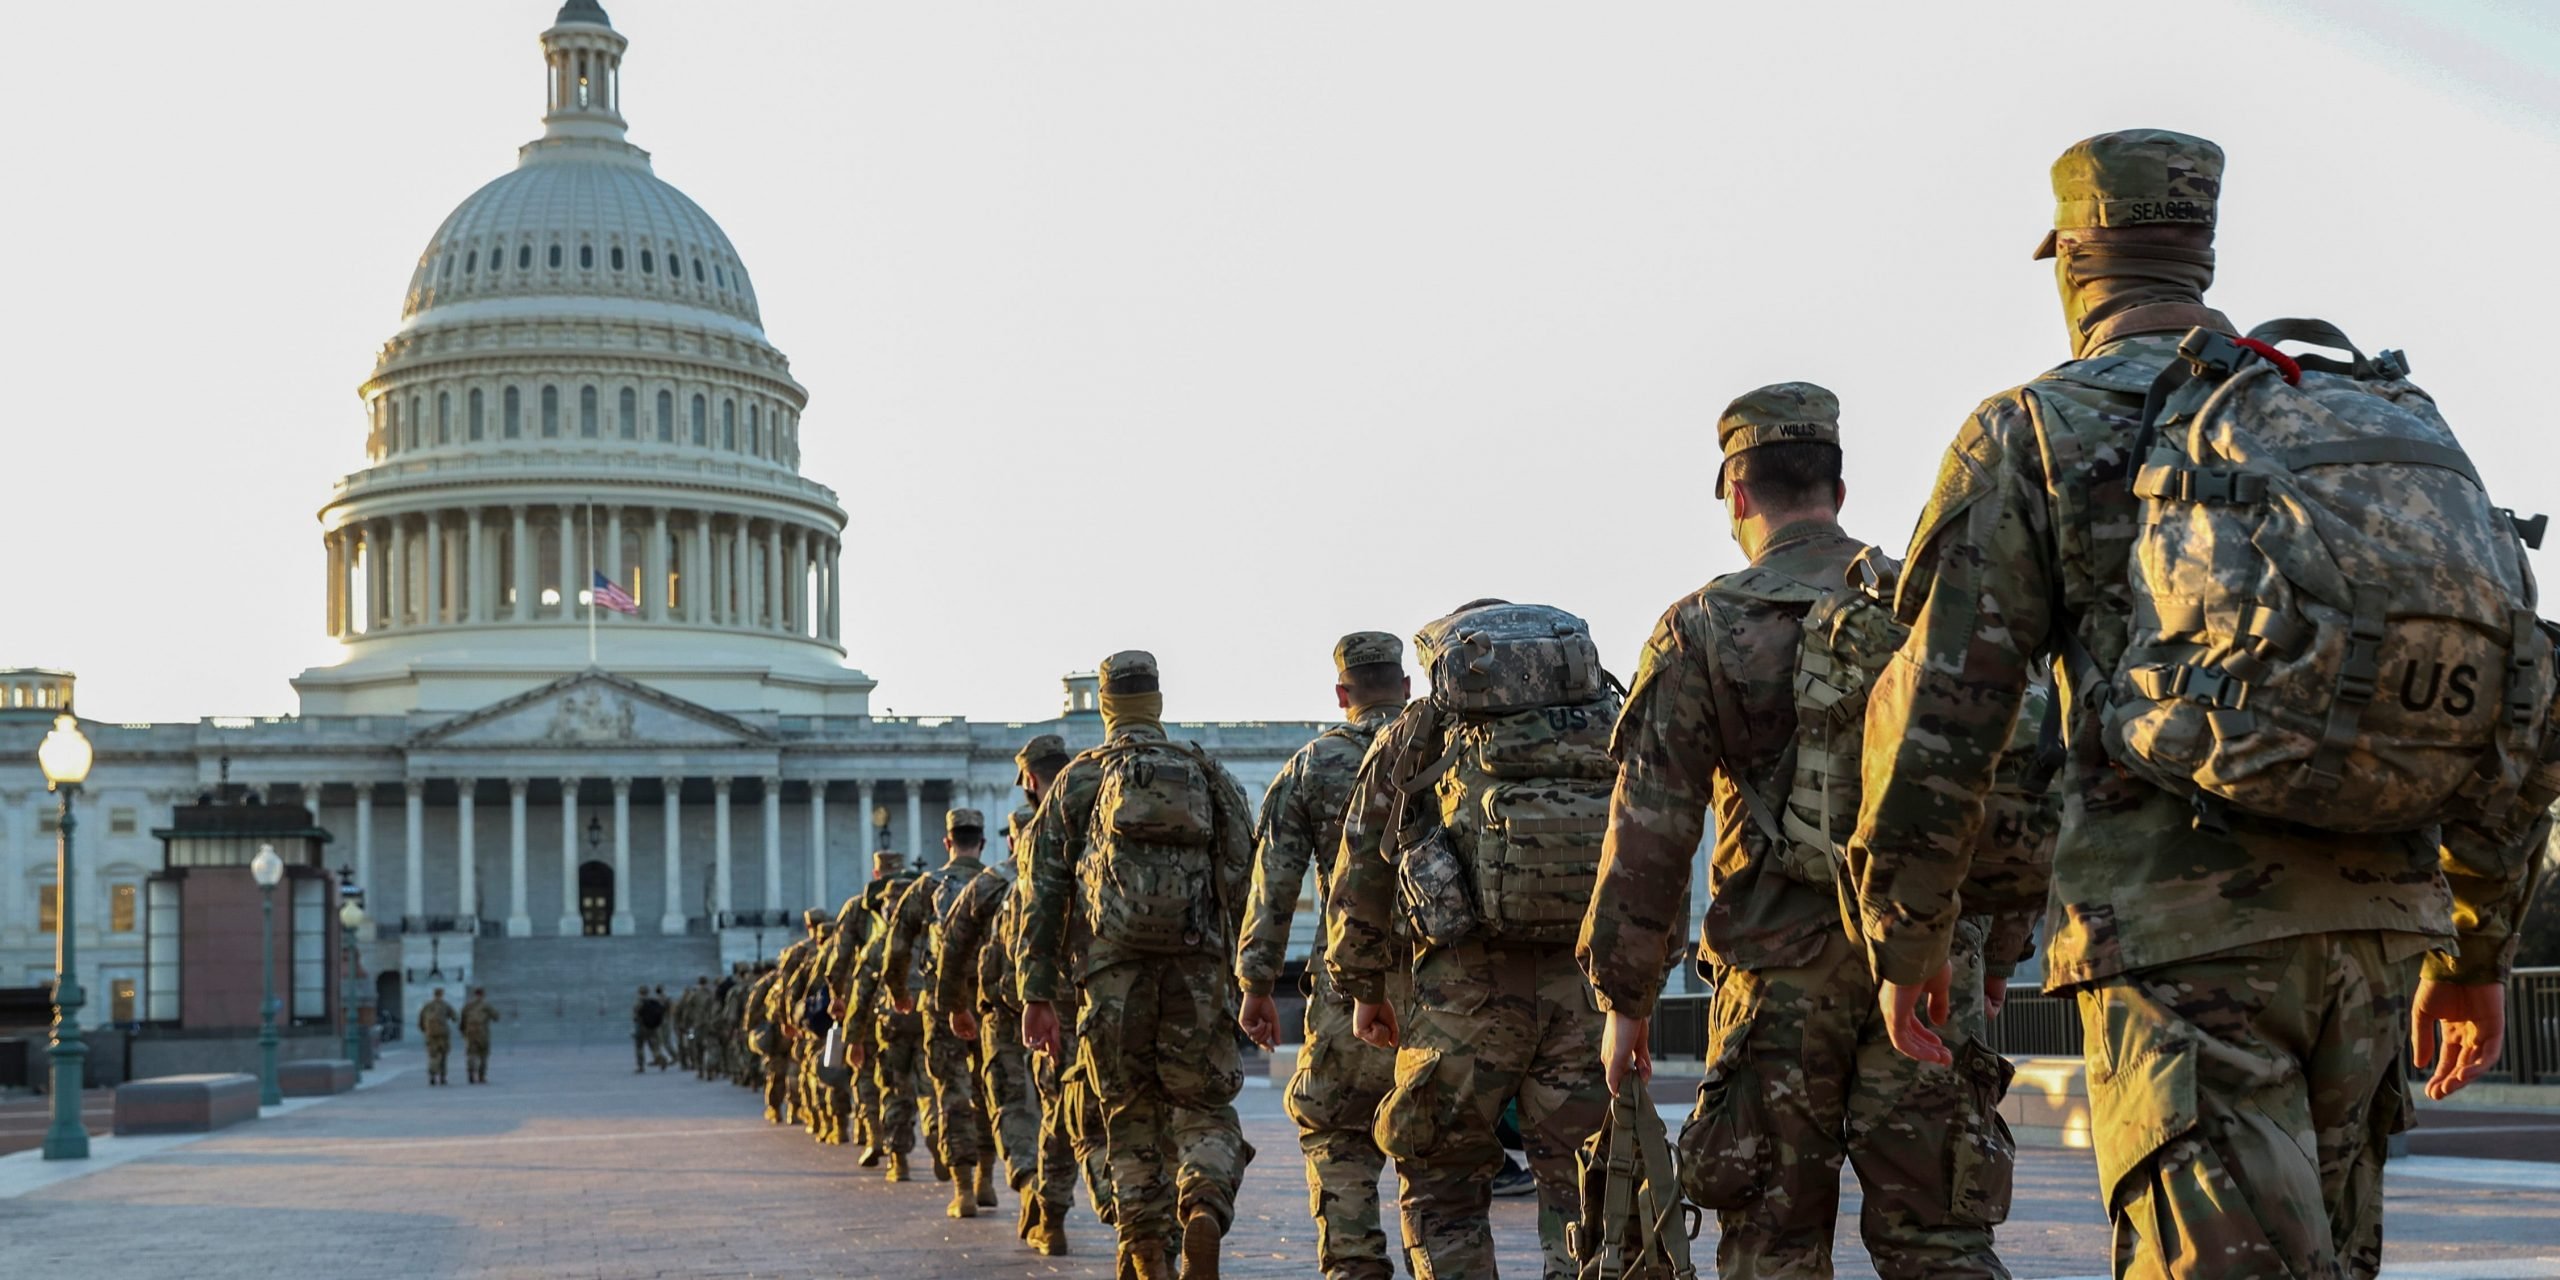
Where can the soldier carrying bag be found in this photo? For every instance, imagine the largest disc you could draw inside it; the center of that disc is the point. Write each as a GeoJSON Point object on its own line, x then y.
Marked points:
{"type": "Point", "coordinates": [1149, 877]}
{"type": "Point", "coordinates": [1633, 1226]}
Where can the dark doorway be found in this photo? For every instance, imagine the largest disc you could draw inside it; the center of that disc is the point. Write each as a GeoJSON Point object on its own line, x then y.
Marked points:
{"type": "Point", "coordinates": [595, 898]}
{"type": "Point", "coordinates": [387, 1007]}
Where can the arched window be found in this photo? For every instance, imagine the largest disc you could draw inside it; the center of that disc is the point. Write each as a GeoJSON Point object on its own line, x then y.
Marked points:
{"type": "Point", "coordinates": [699, 433]}
{"type": "Point", "coordinates": [471, 263]}
{"type": "Point", "coordinates": [630, 414]}
{"type": "Point", "coordinates": [755, 429]}
{"type": "Point", "coordinates": [729, 425]}
{"type": "Point", "coordinates": [586, 257]}
{"type": "Point", "coordinates": [474, 426]}
{"type": "Point", "coordinates": [511, 414]}
{"type": "Point", "coordinates": [390, 425]}
{"type": "Point", "coordinates": [444, 417]}
{"type": "Point", "coordinates": [697, 271]}
{"type": "Point", "coordinates": [417, 421]}
{"type": "Point", "coordinates": [718, 276]}
{"type": "Point", "coordinates": [550, 412]}
{"type": "Point", "coordinates": [555, 255]}
{"type": "Point", "coordinates": [648, 263]}
{"type": "Point", "coordinates": [587, 412]}
{"type": "Point", "coordinates": [617, 257]}
{"type": "Point", "coordinates": [447, 270]}
{"type": "Point", "coordinates": [524, 257]}
{"type": "Point", "coordinates": [667, 416]}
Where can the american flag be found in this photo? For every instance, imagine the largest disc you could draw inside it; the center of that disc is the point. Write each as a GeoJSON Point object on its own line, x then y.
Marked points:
{"type": "Point", "coordinates": [606, 595]}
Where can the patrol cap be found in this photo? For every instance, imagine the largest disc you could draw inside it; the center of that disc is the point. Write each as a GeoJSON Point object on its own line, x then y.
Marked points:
{"type": "Point", "coordinates": [812, 918]}
{"type": "Point", "coordinates": [1046, 747]}
{"type": "Point", "coordinates": [1129, 671]}
{"type": "Point", "coordinates": [2132, 178]}
{"type": "Point", "coordinates": [954, 819]}
{"type": "Point", "coordinates": [1364, 648]}
{"type": "Point", "coordinates": [887, 862]}
{"type": "Point", "coordinates": [1780, 413]}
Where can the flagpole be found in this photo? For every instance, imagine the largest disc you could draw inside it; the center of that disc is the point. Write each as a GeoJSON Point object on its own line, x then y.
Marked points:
{"type": "Point", "coordinates": [591, 581]}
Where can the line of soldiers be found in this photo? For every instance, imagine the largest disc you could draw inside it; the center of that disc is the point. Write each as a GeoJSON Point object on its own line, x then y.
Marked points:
{"type": "Point", "coordinates": [1899, 798]}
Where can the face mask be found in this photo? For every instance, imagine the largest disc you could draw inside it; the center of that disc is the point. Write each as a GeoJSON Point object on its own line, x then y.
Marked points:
{"type": "Point", "coordinates": [2102, 279]}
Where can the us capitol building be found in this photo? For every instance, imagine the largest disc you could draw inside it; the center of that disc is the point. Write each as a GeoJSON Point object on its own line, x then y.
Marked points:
{"type": "Point", "coordinates": [579, 383]}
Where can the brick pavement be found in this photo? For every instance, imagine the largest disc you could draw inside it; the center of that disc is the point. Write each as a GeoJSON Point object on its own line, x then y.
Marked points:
{"type": "Point", "coordinates": [570, 1165]}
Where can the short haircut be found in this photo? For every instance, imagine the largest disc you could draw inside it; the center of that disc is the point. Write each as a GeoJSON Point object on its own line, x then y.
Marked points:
{"type": "Point", "coordinates": [1790, 476]}
{"type": "Point", "coordinates": [969, 837]}
{"type": "Point", "coordinates": [1380, 679]}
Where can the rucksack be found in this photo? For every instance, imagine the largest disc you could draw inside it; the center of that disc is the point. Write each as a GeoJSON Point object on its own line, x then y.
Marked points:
{"type": "Point", "coordinates": [1848, 635]}
{"type": "Point", "coordinates": [2332, 624]}
{"type": "Point", "coordinates": [1633, 1226]}
{"type": "Point", "coordinates": [652, 1012]}
{"type": "Point", "coordinates": [1149, 876]}
{"type": "Point", "coordinates": [1522, 711]}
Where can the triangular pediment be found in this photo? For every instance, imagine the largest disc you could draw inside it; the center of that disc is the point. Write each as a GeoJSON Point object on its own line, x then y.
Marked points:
{"type": "Point", "coordinates": [594, 709]}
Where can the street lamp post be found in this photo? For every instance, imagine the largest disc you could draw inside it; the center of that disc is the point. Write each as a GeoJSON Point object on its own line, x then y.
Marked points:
{"type": "Point", "coordinates": [65, 757]}
{"type": "Point", "coordinates": [267, 868]}
{"type": "Point", "coordinates": [350, 918]}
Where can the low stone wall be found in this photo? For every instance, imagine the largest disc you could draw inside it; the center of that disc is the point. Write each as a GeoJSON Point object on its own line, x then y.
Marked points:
{"type": "Point", "coordinates": [176, 1055]}
{"type": "Point", "coordinates": [186, 1104]}
{"type": "Point", "coordinates": [315, 1077]}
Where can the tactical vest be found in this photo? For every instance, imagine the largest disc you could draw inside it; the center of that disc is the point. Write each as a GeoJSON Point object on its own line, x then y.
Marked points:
{"type": "Point", "coordinates": [1149, 876]}
{"type": "Point", "coordinates": [945, 883]}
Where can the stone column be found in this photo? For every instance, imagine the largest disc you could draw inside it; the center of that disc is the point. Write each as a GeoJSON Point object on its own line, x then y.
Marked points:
{"type": "Point", "coordinates": [794, 616]}
{"type": "Point", "coordinates": [413, 854]}
{"type": "Point", "coordinates": [773, 899]}
{"type": "Point", "coordinates": [333, 554]}
{"type": "Point", "coordinates": [13, 855]}
{"type": "Point", "coordinates": [870, 841]}
{"type": "Point", "coordinates": [697, 571]}
{"type": "Point", "coordinates": [656, 599]}
{"type": "Point", "coordinates": [431, 603]}
{"type": "Point", "coordinates": [399, 572]}
{"type": "Point", "coordinates": [623, 924]}
{"type": "Point", "coordinates": [520, 551]}
{"type": "Point", "coordinates": [614, 568]}
{"type": "Point", "coordinates": [568, 563]}
{"type": "Point", "coordinates": [915, 822]}
{"type": "Point", "coordinates": [773, 616]}
{"type": "Point", "coordinates": [742, 592]}
{"type": "Point", "coordinates": [569, 924]}
{"type": "Point", "coordinates": [364, 835]}
{"type": "Point", "coordinates": [831, 612]}
{"type": "Point", "coordinates": [722, 902]}
{"type": "Point", "coordinates": [671, 807]}
{"type": "Point", "coordinates": [818, 894]}
{"type": "Point", "coordinates": [475, 575]}
{"type": "Point", "coordinates": [519, 916]}
{"type": "Point", "coordinates": [311, 800]}
{"type": "Point", "coordinates": [466, 850]}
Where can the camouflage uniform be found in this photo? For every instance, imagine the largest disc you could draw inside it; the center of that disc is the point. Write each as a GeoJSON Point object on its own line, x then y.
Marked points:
{"type": "Point", "coordinates": [969, 970]}
{"type": "Point", "coordinates": [897, 1039]}
{"type": "Point", "coordinates": [1340, 1079]}
{"type": "Point", "coordinates": [2245, 991]}
{"type": "Point", "coordinates": [1157, 1040]}
{"type": "Point", "coordinates": [644, 1037]}
{"type": "Point", "coordinates": [686, 1016]}
{"type": "Point", "coordinates": [951, 1063]}
{"type": "Point", "coordinates": [1800, 1073]}
{"type": "Point", "coordinates": [801, 964]}
{"type": "Point", "coordinates": [477, 1017]}
{"type": "Point", "coordinates": [1488, 1023]}
{"type": "Point", "coordinates": [435, 1023]}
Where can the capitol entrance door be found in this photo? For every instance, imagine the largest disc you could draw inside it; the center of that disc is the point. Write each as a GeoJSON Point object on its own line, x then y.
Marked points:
{"type": "Point", "coordinates": [595, 898]}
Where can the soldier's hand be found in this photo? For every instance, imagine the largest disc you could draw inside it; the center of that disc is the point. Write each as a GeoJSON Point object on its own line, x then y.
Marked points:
{"type": "Point", "coordinates": [1995, 996]}
{"type": "Point", "coordinates": [1375, 1023]}
{"type": "Point", "coordinates": [1903, 1003]}
{"type": "Point", "coordinates": [2470, 1021]}
{"type": "Point", "coordinates": [1626, 1045]}
{"type": "Point", "coordinates": [1260, 1018]}
{"type": "Point", "coordinates": [904, 1004]}
{"type": "Point", "coordinates": [964, 1024]}
{"type": "Point", "coordinates": [1040, 1026]}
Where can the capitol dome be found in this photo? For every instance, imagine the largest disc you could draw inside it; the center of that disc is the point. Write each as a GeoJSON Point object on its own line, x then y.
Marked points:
{"type": "Point", "coordinates": [581, 387]}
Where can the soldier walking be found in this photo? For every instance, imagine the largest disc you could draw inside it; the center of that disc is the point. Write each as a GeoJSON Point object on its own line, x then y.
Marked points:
{"type": "Point", "coordinates": [877, 1036]}
{"type": "Point", "coordinates": [478, 1015]}
{"type": "Point", "coordinates": [2257, 970]}
{"type": "Point", "coordinates": [435, 1023]}
{"type": "Point", "coordinates": [1726, 718]}
{"type": "Point", "coordinates": [1340, 1079]}
{"type": "Point", "coordinates": [909, 979]}
{"type": "Point", "coordinates": [647, 1012]}
{"type": "Point", "coordinates": [1158, 835]}
{"type": "Point", "coordinates": [973, 980]}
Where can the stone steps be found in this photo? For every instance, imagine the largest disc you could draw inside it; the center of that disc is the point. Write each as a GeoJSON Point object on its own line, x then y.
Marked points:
{"type": "Point", "coordinates": [579, 990]}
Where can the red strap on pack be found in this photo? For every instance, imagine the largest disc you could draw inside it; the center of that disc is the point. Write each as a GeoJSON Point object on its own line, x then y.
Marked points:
{"type": "Point", "coordinates": [2285, 364]}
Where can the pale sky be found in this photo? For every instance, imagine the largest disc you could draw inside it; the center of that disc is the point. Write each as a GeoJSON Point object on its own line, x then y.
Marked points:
{"type": "Point", "coordinates": [1316, 317]}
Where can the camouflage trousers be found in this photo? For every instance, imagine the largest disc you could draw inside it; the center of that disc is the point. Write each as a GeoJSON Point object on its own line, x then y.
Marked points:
{"type": "Point", "coordinates": [960, 1117]}
{"type": "Point", "coordinates": [897, 1051]}
{"type": "Point", "coordinates": [1800, 1076]}
{"type": "Point", "coordinates": [1071, 1136]}
{"type": "Point", "coordinates": [1005, 1072]}
{"type": "Point", "coordinates": [475, 1056]}
{"type": "Point", "coordinates": [1159, 1050]}
{"type": "Point", "coordinates": [2242, 1102]}
{"type": "Point", "coordinates": [776, 1077]}
{"type": "Point", "coordinates": [643, 1043]}
{"type": "Point", "coordinates": [1489, 1024]}
{"type": "Point", "coordinates": [1333, 1096]}
{"type": "Point", "coordinates": [438, 1046]}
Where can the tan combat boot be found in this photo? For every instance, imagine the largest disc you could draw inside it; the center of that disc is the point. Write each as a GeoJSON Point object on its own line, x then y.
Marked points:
{"type": "Point", "coordinates": [1049, 1231]}
{"type": "Point", "coordinates": [941, 1171]}
{"type": "Point", "coordinates": [1145, 1261]}
{"type": "Point", "coordinates": [986, 1185]}
{"type": "Point", "coordinates": [897, 1166]}
{"type": "Point", "coordinates": [1201, 1236]}
{"type": "Point", "coordinates": [1032, 1209]}
{"type": "Point", "coordinates": [964, 1200]}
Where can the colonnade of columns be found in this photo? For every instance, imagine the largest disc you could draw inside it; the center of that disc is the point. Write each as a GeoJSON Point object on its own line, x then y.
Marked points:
{"type": "Point", "coordinates": [920, 843]}
{"type": "Point", "coordinates": [486, 564]}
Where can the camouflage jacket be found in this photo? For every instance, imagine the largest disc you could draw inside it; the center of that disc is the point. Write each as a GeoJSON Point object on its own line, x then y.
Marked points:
{"type": "Point", "coordinates": [1712, 710]}
{"type": "Point", "coordinates": [967, 938]}
{"type": "Point", "coordinates": [861, 914]}
{"type": "Point", "coordinates": [1301, 822]}
{"type": "Point", "coordinates": [2013, 853]}
{"type": "Point", "coordinates": [915, 924]}
{"type": "Point", "coordinates": [2021, 554]}
{"type": "Point", "coordinates": [1058, 846]}
{"type": "Point", "coordinates": [1364, 928]}
{"type": "Point", "coordinates": [753, 999]}
{"type": "Point", "coordinates": [435, 1018]}
{"type": "Point", "coordinates": [477, 1014]}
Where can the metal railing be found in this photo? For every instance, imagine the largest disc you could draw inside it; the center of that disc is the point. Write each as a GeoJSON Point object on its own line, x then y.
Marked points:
{"type": "Point", "coordinates": [775, 918]}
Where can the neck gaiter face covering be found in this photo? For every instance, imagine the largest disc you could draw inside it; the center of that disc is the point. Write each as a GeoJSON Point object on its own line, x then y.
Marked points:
{"type": "Point", "coordinates": [2101, 281]}
{"type": "Point", "coordinates": [1128, 710]}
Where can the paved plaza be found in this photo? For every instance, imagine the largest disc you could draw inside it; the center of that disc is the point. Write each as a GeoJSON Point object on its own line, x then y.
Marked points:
{"type": "Point", "coordinates": [570, 1165]}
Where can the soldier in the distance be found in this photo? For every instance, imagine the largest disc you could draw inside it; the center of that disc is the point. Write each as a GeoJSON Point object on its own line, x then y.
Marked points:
{"type": "Point", "coordinates": [435, 1023]}
{"type": "Point", "coordinates": [906, 977]}
{"type": "Point", "coordinates": [478, 1016]}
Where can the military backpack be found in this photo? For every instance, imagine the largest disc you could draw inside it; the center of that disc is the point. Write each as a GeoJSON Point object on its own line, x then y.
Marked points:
{"type": "Point", "coordinates": [2332, 623]}
{"type": "Point", "coordinates": [1520, 712]}
{"type": "Point", "coordinates": [1149, 877]}
{"type": "Point", "coordinates": [1633, 1226]}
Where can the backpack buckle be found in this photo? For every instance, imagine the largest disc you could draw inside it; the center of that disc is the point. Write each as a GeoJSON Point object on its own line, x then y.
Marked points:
{"type": "Point", "coordinates": [2211, 353]}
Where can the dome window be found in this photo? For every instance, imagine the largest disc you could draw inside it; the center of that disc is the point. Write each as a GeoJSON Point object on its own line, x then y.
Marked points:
{"type": "Point", "coordinates": [524, 257]}
{"type": "Point", "coordinates": [550, 413]}
{"type": "Point", "coordinates": [586, 257]}
{"type": "Point", "coordinates": [616, 257]}
{"type": "Point", "coordinates": [667, 416]}
{"type": "Point", "coordinates": [719, 277]}
{"type": "Point", "coordinates": [630, 415]}
{"type": "Point", "coordinates": [729, 425]}
{"type": "Point", "coordinates": [513, 414]}
{"type": "Point", "coordinates": [444, 417]}
{"type": "Point", "coordinates": [474, 426]}
{"type": "Point", "coordinates": [447, 270]}
{"type": "Point", "coordinates": [555, 257]}
{"type": "Point", "coordinates": [648, 263]}
{"type": "Point", "coordinates": [697, 271]}
{"type": "Point", "coordinates": [587, 412]}
{"type": "Point", "coordinates": [755, 430]}
{"type": "Point", "coordinates": [701, 433]}
{"type": "Point", "coordinates": [471, 263]}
